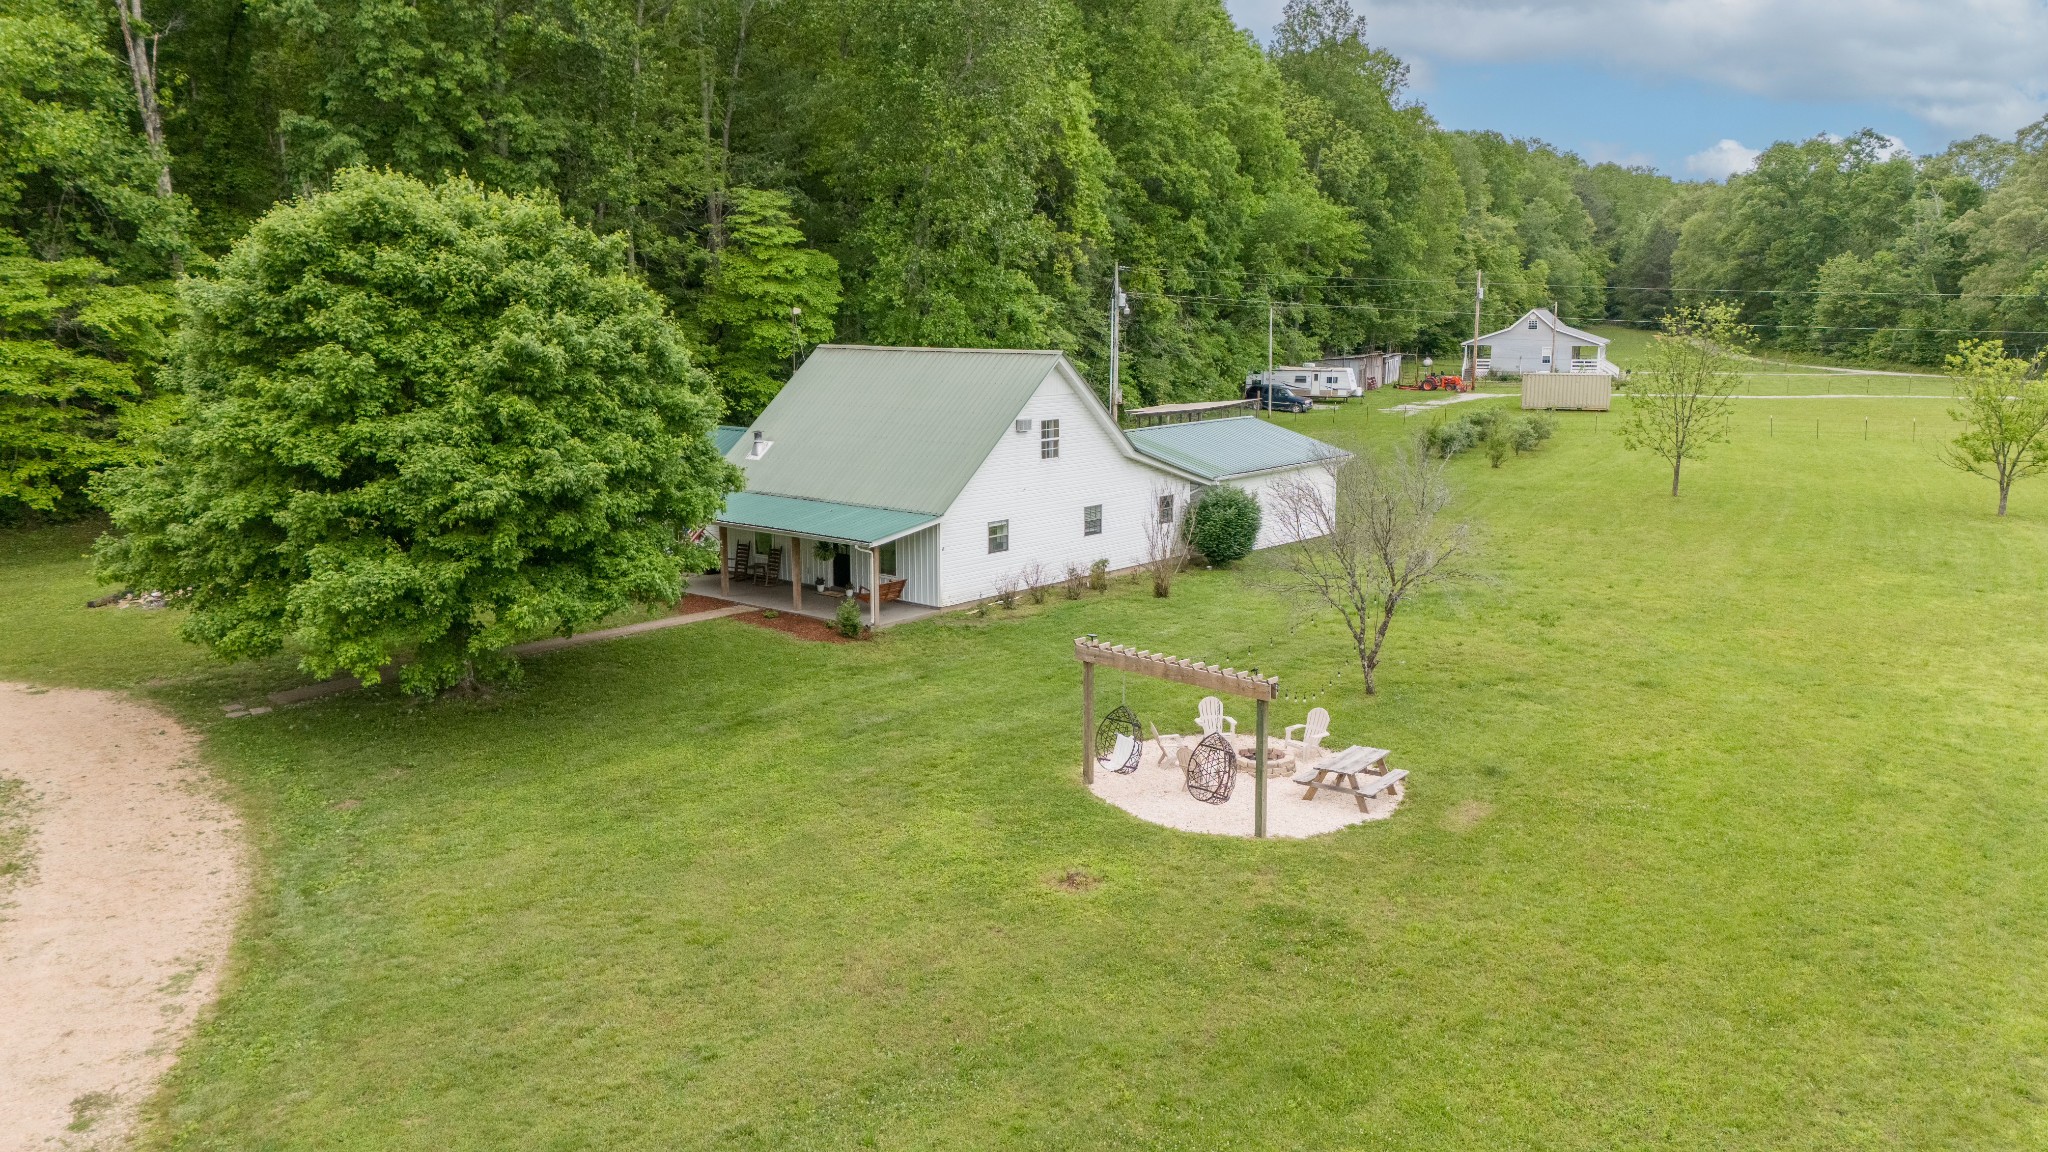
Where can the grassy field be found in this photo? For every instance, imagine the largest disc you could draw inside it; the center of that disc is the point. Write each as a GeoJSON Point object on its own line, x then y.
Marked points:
{"type": "Point", "coordinates": [1776, 373]}
{"type": "Point", "coordinates": [1728, 829]}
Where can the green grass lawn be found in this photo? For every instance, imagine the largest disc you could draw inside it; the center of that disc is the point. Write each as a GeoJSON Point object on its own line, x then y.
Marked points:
{"type": "Point", "coordinates": [1728, 829]}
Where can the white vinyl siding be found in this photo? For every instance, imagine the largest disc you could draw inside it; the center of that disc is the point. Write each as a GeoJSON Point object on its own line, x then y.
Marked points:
{"type": "Point", "coordinates": [1264, 489]}
{"type": "Point", "coordinates": [1520, 349]}
{"type": "Point", "coordinates": [1041, 498]}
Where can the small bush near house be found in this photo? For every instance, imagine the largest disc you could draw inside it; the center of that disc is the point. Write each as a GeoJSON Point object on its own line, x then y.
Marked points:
{"type": "Point", "coordinates": [847, 619]}
{"type": "Point", "coordinates": [1075, 582]}
{"type": "Point", "coordinates": [1224, 525]}
{"type": "Point", "coordinates": [1098, 576]}
{"type": "Point", "coordinates": [1006, 591]}
{"type": "Point", "coordinates": [1034, 583]}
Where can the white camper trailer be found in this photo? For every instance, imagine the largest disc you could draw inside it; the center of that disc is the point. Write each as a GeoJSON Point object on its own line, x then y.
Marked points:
{"type": "Point", "coordinates": [1324, 382]}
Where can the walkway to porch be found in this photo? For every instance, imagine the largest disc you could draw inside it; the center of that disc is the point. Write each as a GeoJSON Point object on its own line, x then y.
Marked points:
{"type": "Point", "coordinates": [776, 595]}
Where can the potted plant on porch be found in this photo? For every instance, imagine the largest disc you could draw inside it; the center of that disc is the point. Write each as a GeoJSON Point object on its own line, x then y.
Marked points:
{"type": "Point", "coordinates": [824, 550]}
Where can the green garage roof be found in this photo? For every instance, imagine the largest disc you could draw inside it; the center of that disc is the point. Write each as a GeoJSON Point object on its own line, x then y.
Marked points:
{"type": "Point", "coordinates": [819, 519]}
{"type": "Point", "coordinates": [1239, 446]}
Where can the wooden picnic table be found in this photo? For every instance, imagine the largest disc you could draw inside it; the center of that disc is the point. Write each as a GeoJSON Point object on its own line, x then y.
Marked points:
{"type": "Point", "coordinates": [1356, 771]}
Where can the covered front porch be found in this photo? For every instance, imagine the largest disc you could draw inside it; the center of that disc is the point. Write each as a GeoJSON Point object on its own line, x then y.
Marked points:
{"type": "Point", "coordinates": [777, 597]}
{"type": "Point", "coordinates": [808, 556]}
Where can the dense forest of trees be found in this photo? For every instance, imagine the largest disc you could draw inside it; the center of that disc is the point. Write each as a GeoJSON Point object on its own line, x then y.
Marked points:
{"type": "Point", "coordinates": [784, 172]}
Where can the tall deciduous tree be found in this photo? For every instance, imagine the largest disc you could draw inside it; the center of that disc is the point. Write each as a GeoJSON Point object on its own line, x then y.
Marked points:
{"type": "Point", "coordinates": [1681, 400]}
{"type": "Point", "coordinates": [767, 295]}
{"type": "Point", "coordinates": [76, 354]}
{"type": "Point", "coordinates": [421, 421]}
{"type": "Point", "coordinates": [2002, 404]}
{"type": "Point", "coordinates": [76, 177]}
{"type": "Point", "coordinates": [1369, 542]}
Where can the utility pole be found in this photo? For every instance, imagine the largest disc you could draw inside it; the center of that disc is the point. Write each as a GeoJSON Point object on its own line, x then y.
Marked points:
{"type": "Point", "coordinates": [1266, 393]}
{"type": "Point", "coordinates": [1478, 299]}
{"type": "Point", "coordinates": [796, 336]}
{"type": "Point", "coordinates": [1116, 305]}
{"type": "Point", "coordinates": [1555, 320]}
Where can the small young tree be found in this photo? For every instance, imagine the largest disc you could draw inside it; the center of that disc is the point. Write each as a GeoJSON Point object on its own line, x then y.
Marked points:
{"type": "Point", "coordinates": [1365, 549]}
{"type": "Point", "coordinates": [2002, 404]}
{"type": "Point", "coordinates": [425, 421]}
{"type": "Point", "coordinates": [1166, 551]}
{"type": "Point", "coordinates": [1685, 395]}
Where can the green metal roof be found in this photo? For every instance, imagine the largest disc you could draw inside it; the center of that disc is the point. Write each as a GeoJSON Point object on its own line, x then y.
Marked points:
{"type": "Point", "coordinates": [901, 428]}
{"type": "Point", "coordinates": [727, 435]}
{"type": "Point", "coordinates": [818, 519]}
{"type": "Point", "coordinates": [1238, 446]}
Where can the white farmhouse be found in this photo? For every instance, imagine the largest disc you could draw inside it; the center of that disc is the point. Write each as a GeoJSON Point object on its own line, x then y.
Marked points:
{"type": "Point", "coordinates": [937, 476]}
{"type": "Point", "coordinates": [1540, 342]}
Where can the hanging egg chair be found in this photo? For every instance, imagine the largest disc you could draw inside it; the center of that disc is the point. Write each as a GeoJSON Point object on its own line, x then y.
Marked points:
{"type": "Point", "coordinates": [1212, 769]}
{"type": "Point", "coordinates": [1121, 721]}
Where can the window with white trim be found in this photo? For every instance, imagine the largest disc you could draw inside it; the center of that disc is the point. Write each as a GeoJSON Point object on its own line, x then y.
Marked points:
{"type": "Point", "coordinates": [998, 536]}
{"type": "Point", "coordinates": [1048, 439]}
{"type": "Point", "coordinates": [1091, 520]}
{"type": "Point", "coordinates": [1166, 509]}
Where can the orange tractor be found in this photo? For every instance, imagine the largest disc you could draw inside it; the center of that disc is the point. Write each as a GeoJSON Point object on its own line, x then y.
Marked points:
{"type": "Point", "coordinates": [1437, 382]}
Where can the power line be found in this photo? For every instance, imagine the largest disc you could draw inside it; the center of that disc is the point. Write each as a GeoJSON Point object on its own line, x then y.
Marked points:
{"type": "Point", "coordinates": [1307, 280]}
{"type": "Point", "coordinates": [1261, 302]}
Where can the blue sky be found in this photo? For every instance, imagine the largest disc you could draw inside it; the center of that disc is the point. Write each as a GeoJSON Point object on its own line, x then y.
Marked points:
{"type": "Point", "coordinates": [1693, 87]}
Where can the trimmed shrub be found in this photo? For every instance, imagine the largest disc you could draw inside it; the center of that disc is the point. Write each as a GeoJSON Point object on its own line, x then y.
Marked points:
{"type": "Point", "coordinates": [1224, 524]}
{"type": "Point", "coordinates": [847, 619]}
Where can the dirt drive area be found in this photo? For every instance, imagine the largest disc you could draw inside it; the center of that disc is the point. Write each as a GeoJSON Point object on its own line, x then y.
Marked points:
{"type": "Point", "coordinates": [113, 934]}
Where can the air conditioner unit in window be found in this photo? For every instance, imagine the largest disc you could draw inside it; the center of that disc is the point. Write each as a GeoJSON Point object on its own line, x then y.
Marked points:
{"type": "Point", "coordinates": [1023, 426]}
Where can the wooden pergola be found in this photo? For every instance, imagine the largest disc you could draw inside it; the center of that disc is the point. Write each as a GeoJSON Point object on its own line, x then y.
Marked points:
{"type": "Point", "coordinates": [1262, 689]}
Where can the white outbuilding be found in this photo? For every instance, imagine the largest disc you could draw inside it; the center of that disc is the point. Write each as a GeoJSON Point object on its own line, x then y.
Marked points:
{"type": "Point", "coordinates": [1540, 342]}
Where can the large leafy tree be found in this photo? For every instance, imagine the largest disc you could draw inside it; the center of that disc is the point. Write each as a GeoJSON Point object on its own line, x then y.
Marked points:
{"type": "Point", "coordinates": [766, 296]}
{"type": "Point", "coordinates": [77, 176]}
{"type": "Point", "coordinates": [420, 422]}
{"type": "Point", "coordinates": [76, 353]}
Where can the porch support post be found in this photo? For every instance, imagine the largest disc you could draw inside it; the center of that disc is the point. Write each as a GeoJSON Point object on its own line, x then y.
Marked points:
{"type": "Point", "coordinates": [796, 573]}
{"type": "Point", "coordinates": [1259, 777]}
{"type": "Point", "coordinates": [724, 562]}
{"type": "Point", "coordinates": [1088, 722]}
{"type": "Point", "coordinates": [875, 585]}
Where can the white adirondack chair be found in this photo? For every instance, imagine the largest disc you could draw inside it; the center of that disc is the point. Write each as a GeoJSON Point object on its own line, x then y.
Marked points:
{"type": "Point", "coordinates": [1312, 733]}
{"type": "Point", "coordinates": [1209, 714]}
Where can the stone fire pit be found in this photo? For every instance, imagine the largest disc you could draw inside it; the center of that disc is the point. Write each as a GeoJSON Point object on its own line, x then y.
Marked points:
{"type": "Point", "coordinates": [1279, 755]}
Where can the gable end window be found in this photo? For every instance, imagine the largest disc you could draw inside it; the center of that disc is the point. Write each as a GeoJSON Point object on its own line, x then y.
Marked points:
{"type": "Point", "coordinates": [1048, 439]}
{"type": "Point", "coordinates": [1532, 325]}
{"type": "Point", "coordinates": [998, 536]}
{"type": "Point", "coordinates": [1091, 520]}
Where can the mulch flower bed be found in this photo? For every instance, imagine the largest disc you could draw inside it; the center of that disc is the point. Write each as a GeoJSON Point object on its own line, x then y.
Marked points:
{"type": "Point", "coordinates": [801, 627]}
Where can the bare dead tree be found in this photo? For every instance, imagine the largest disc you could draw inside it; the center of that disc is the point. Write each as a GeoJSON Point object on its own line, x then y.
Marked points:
{"type": "Point", "coordinates": [1166, 551]}
{"type": "Point", "coordinates": [1370, 535]}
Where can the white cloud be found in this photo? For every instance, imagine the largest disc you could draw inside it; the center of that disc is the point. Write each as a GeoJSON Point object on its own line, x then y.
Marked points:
{"type": "Point", "coordinates": [1721, 161]}
{"type": "Point", "coordinates": [1959, 66]}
